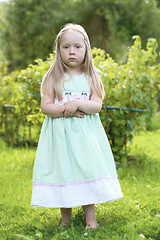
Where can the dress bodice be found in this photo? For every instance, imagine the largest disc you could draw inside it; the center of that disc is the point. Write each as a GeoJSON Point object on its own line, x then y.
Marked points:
{"type": "Point", "coordinates": [74, 87]}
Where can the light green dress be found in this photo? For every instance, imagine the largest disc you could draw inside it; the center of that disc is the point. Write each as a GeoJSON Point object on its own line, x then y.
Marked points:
{"type": "Point", "coordinates": [74, 165]}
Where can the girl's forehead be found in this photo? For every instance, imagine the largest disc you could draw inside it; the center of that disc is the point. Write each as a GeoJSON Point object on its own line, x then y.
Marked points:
{"type": "Point", "coordinates": [71, 36]}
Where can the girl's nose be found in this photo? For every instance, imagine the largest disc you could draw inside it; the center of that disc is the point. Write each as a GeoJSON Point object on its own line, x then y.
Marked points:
{"type": "Point", "coordinates": [71, 50]}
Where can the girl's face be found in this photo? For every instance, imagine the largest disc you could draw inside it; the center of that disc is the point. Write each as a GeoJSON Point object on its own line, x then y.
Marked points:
{"type": "Point", "coordinates": [72, 49]}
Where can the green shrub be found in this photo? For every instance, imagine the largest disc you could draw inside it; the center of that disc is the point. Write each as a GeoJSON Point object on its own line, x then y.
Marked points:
{"type": "Point", "coordinates": [131, 85]}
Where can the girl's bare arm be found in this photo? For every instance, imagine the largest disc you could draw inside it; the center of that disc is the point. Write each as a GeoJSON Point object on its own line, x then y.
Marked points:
{"type": "Point", "coordinates": [51, 109]}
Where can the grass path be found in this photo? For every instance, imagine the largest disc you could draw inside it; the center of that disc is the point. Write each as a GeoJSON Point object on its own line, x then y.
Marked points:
{"type": "Point", "coordinates": [136, 216]}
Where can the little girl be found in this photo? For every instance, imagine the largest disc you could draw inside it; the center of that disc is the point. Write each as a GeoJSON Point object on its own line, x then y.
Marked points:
{"type": "Point", "coordinates": [74, 165]}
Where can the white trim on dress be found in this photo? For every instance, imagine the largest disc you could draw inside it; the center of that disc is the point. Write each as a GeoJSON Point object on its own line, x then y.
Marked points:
{"type": "Point", "coordinates": [76, 194]}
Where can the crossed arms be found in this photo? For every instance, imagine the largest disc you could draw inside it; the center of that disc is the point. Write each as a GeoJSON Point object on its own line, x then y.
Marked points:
{"type": "Point", "coordinates": [74, 108]}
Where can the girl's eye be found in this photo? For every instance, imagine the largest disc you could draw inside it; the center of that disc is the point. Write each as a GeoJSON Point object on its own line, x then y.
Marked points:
{"type": "Point", "coordinates": [77, 46]}
{"type": "Point", "coordinates": [66, 47]}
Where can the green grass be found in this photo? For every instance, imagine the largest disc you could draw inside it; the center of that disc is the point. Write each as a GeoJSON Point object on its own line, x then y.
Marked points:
{"type": "Point", "coordinates": [137, 213]}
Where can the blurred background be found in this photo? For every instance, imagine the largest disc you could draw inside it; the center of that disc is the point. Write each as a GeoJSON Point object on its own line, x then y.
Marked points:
{"type": "Point", "coordinates": [28, 27]}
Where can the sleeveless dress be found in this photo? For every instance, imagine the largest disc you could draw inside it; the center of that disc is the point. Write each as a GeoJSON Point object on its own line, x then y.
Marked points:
{"type": "Point", "coordinates": [74, 165]}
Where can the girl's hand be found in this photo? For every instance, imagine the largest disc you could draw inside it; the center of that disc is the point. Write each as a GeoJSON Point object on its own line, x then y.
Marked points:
{"type": "Point", "coordinates": [70, 108]}
{"type": "Point", "coordinates": [79, 114]}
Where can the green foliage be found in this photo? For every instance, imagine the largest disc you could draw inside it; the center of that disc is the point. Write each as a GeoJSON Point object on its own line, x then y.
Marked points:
{"type": "Point", "coordinates": [2, 30]}
{"type": "Point", "coordinates": [135, 85]}
{"type": "Point", "coordinates": [28, 28]}
{"type": "Point", "coordinates": [111, 24]}
{"type": "Point", "coordinates": [22, 90]}
{"type": "Point", "coordinates": [135, 215]}
{"type": "Point", "coordinates": [131, 85]}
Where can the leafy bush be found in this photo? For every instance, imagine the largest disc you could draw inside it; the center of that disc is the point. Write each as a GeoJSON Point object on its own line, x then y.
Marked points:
{"type": "Point", "coordinates": [8, 93]}
{"type": "Point", "coordinates": [131, 85]}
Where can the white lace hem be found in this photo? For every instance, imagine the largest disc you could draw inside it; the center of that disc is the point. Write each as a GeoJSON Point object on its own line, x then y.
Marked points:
{"type": "Point", "coordinates": [74, 195]}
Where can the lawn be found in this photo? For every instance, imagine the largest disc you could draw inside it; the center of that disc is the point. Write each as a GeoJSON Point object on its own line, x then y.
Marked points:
{"type": "Point", "coordinates": [136, 216]}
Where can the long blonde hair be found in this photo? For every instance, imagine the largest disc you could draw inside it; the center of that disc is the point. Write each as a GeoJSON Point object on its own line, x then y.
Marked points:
{"type": "Point", "coordinates": [55, 75]}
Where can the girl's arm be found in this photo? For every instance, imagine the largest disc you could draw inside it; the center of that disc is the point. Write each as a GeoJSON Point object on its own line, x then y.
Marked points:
{"type": "Point", "coordinates": [54, 110]}
{"type": "Point", "coordinates": [51, 109]}
{"type": "Point", "coordinates": [92, 106]}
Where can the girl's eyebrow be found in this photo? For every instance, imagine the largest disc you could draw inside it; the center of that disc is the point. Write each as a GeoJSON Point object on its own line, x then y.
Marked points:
{"type": "Point", "coordinates": [67, 43]}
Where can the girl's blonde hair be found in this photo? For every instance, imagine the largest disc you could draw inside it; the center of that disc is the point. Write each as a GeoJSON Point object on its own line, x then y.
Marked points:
{"type": "Point", "coordinates": [55, 75]}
